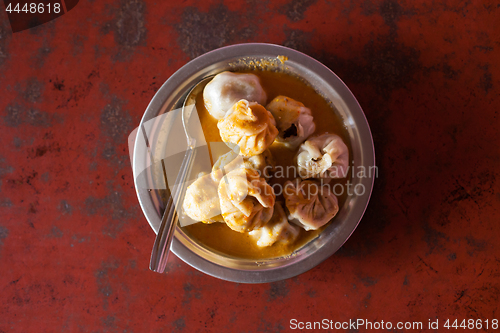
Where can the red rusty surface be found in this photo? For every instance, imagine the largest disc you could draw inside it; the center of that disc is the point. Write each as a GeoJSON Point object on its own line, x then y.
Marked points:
{"type": "Point", "coordinates": [74, 245]}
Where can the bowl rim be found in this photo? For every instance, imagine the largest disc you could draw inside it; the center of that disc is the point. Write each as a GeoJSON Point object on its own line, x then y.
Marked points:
{"type": "Point", "coordinates": [241, 51]}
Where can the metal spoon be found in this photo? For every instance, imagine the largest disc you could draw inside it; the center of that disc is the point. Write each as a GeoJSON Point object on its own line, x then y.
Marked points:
{"type": "Point", "coordinates": [161, 247]}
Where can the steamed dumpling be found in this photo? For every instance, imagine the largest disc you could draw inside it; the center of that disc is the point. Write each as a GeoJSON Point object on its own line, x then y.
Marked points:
{"type": "Point", "coordinates": [293, 120]}
{"type": "Point", "coordinates": [201, 201]}
{"type": "Point", "coordinates": [276, 230]}
{"type": "Point", "coordinates": [310, 204]}
{"type": "Point", "coordinates": [246, 200]}
{"type": "Point", "coordinates": [325, 156]}
{"type": "Point", "coordinates": [249, 126]}
{"type": "Point", "coordinates": [227, 88]}
{"type": "Point", "coordinates": [263, 163]}
{"type": "Point", "coordinates": [227, 163]}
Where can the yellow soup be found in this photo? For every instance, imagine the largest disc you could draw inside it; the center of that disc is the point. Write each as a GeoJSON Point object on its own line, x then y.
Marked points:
{"type": "Point", "coordinates": [218, 236]}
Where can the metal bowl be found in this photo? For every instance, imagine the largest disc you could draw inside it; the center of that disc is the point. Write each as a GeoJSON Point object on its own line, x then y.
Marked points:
{"type": "Point", "coordinates": [171, 95]}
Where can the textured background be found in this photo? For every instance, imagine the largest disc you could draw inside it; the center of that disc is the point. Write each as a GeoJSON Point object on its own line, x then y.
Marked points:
{"type": "Point", "coordinates": [74, 245]}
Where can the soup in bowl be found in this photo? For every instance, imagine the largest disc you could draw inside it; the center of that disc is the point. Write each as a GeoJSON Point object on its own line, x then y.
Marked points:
{"type": "Point", "coordinates": [298, 146]}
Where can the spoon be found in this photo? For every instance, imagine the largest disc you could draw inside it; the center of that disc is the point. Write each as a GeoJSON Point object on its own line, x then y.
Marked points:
{"type": "Point", "coordinates": [161, 247]}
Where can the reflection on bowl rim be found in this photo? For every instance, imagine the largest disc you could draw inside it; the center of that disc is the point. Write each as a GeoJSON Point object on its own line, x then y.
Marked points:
{"type": "Point", "coordinates": [335, 234]}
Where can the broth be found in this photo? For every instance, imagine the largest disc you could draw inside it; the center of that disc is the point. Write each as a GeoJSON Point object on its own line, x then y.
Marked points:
{"type": "Point", "coordinates": [218, 236]}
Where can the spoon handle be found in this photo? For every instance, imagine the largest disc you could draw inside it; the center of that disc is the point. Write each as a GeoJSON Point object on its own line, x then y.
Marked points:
{"type": "Point", "coordinates": [161, 247]}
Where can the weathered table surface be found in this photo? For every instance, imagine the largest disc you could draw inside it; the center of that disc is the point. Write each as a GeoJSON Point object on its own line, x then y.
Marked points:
{"type": "Point", "coordinates": [74, 245]}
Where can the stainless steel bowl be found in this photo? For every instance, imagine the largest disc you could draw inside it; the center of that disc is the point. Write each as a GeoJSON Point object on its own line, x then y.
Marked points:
{"type": "Point", "coordinates": [171, 95]}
